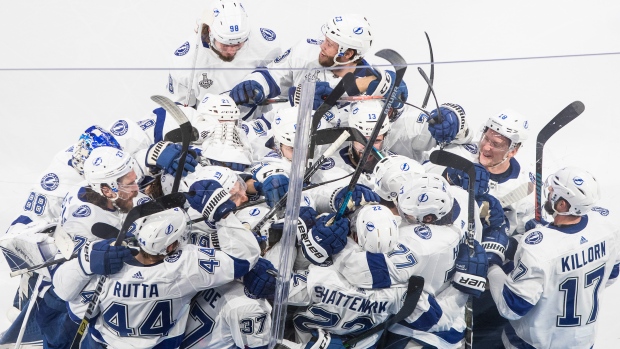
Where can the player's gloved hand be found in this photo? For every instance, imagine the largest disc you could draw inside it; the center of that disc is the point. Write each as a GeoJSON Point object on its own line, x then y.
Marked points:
{"type": "Point", "coordinates": [495, 243]}
{"type": "Point", "coordinates": [360, 196]}
{"type": "Point", "coordinates": [165, 156]}
{"type": "Point", "coordinates": [321, 91]}
{"type": "Point", "coordinates": [471, 271]}
{"type": "Point", "coordinates": [532, 223]}
{"type": "Point", "coordinates": [460, 178]}
{"type": "Point", "coordinates": [448, 123]}
{"type": "Point", "coordinates": [324, 241]}
{"type": "Point", "coordinates": [208, 197]}
{"type": "Point", "coordinates": [259, 281]}
{"type": "Point", "coordinates": [492, 213]}
{"type": "Point", "coordinates": [248, 92]}
{"type": "Point", "coordinates": [271, 182]}
{"type": "Point", "coordinates": [322, 339]}
{"type": "Point", "coordinates": [305, 221]}
{"type": "Point", "coordinates": [102, 258]}
{"type": "Point", "coordinates": [381, 87]}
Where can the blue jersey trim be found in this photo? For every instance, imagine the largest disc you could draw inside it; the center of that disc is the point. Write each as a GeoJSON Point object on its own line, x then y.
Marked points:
{"type": "Point", "coordinates": [158, 132]}
{"type": "Point", "coordinates": [573, 228]}
{"type": "Point", "coordinates": [614, 272]}
{"type": "Point", "coordinates": [274, 89]}
{"type": "Point", "coordinates": [22, 220]}
{"type": "Point", "coordinates": [378, 269]}
{"type": "Point", "coordinates": [511, 173]}
{"type": "Point", "coordinates": [429, 318]}
{"type": "Point", "coordinates": [241, 266]}
{"type": "Point", "coordinates": [514, 338]}
{"type": "Point", "coordinates": [517, 304]}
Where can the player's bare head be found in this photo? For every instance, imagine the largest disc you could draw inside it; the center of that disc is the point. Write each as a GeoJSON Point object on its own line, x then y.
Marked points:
{"type": "Point", "coordinates": [162, 233]}
{"type": "Point", "coordinates": [226, 28]}
{"type": "Point", "coordinates": [374, 228]}
{"type": "Point", "coordinates": [501, 139]}
{"type": "Point", "coordinates": [571, 191]}
{"type": "Point", "coordinates": [426, 199]}
{"type": "Point", "coordinates": [348, 38]}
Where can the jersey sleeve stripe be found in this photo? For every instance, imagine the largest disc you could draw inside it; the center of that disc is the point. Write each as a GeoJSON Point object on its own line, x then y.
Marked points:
{"type": "Point", "coordinates": [614, 272]}
{"type": "Point", "coordinates": [429, 318]}
{"type": "Point", "coordinates": [158, 132]}
{"type": "Point", "coordinates": [517, 304]}
{"type": "Point", "coordinates": [241, 266]}
{"type": "Point", "coordinates": [274, 89]}
{"type": "Point", "coordinates": [378, 270]}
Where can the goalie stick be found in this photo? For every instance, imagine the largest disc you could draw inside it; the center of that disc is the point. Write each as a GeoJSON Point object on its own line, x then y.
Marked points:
{"type": "Point", "coordinates": [186, 133]}
{"type": "Point", "coordinates": [414, 291]}
{"type": "Point", "coordinates": [567, 115]}
{"type": "Point", "coordinates": [444, 158]}
{"type": "Point", "coordinates": [139, 211]}
{"type": "Point", "coordinates": [400, 65]}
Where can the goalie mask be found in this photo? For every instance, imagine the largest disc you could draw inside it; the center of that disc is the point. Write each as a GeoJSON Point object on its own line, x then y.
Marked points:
{"type": "Point", "coordinates": [427, 195]}
{"type": "Point", "coordinates": [578, 187]}
{"type": "Point", "coordinates": [375, 228]}
{"type": "Point", "coordinates": [93, 137]}
{"type": "Point", "coordinates": [158, 231]}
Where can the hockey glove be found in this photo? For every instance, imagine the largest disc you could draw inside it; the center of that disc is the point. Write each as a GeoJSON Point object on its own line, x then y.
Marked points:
{"type": "Point", "coordinates": [324, 241]}
{"type": "Point", "coordinates": [492, 213]}
{"type": "Point", "coordinates": [361, 195]}
{"type": "Point", "coordinates": [208, 197]}
{"type": "Point", "coordinates": [381, 87]}
{"type": "Point", "coordinates": [322, 339]}
{"type": "Point", "coordinates": [448, 124]}
{"type": "Point", "coordinates": [471, 271]}
{"type": "Point", "coordinates": [305, 222]}
{"type": "Point", "coordinates": [102, 258]}
{"type": "Point", "coordinates": [495, 243]}
{"type": "Point", "coordinates": [258, 282]}
{"type": "Point", "coordinates": [460, 178]}
{"type": "Point", "coordinates": [165, 156]}
{"type": "Point", "coordinates": [271, 182]}
{"type": "Point", "coordinates": [248, 92]}
{"type": "Point", "coordinates": [533, 223]}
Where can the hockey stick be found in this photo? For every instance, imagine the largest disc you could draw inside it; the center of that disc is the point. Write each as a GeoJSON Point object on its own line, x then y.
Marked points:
{"type": "Point", "coordinates": [309, 173]}
{"type": "Point", "coordinates": [190, 87]}
{"type": "Point", "coordinates": [430, 88]}
{"type": "Point", "coordinates": [400, 66]}
{"type": "Point", "coordinates": [186, 133]}
{"type": "Point", "coordinates": [31, 303]}
{"type": "Point", "coordinates": [145, 209]}
{"type": "Point", "coordinates": [567, 115]}
{"type": "Point", "coordinates": [345, 83]}
{"type": "Point", "coordinates": [414, 291]}
{"type": "Point", "coordinates": [444, 158]}
{"type": "Point", "coordinates": [430, 82]}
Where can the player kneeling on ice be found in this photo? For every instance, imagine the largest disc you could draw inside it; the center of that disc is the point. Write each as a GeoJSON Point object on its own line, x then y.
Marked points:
{"type": "Point", "coordinates": [552, 297]}
{"type": "Point", "coordinates": [147, 302]}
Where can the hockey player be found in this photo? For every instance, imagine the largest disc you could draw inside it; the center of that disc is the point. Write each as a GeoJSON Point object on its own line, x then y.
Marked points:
{"type": "Point", "coordinates": [348, 38]}
{"type": "Point", "coordinates": [147, 302]}
{"type": "Point", "coordinates": [225, 41]}
{"type": "Point", "coordinates": [552, 297]}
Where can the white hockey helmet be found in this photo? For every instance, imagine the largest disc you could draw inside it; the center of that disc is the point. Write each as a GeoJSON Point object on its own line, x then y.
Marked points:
{"type": "Point", "coordinates": [350, 31]}
{"type": "Point", "coordinates": [375, 227]}
{"type": "Point", "coordinates": [364, 115]}
{"type": "Point", "coordinates": [220, 107]}
{"type": "Point", "coordinates": [249, 216]}
{"type": "Point", "coordinates": [511, 125]}
{"type": "Point", "coordinates": [225, 146]}
{"type": "Point", "coordinates": [284, 126]}
{"type": "Point", "coordinates": [228, 22]}
{"type": "Point", "coordinates": [225, 176]}
{"type": "Point", "coordinates": [158, 231]}
{"type": "Point", "coordinates": [428, 194]}
{"type": "Point", "coordinates": [106, 165]}
{"type": "Point", "coordinates": [93, 137]}
{"type": "Point", "coordinates": [392, 172]}
{"type": "Point", "coordinates": [578, 187]}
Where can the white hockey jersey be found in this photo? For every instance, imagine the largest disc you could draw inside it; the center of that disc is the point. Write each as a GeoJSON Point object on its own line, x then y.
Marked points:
{"type": "Point", "coordinates": [143, 306]}
{"type": "Point", "coordinates": [514, 189]}
{"type": "Point", "coordinates": [553, 296]}
{"type": "Point", "coordinates": [224, 317]}
{"type": "Point", "coordinates": [213, 75]}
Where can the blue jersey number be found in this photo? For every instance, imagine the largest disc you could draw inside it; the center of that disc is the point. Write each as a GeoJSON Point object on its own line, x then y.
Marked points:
{"type": "Point", "coordinates": [36, 203]}
{"type": "Point", "coordinates": [570, 287]}
{"type": "Point", "coordinates": [326, 319]}
{"type": "Point", "coordinates": [157, 323]}
{"type": "Point", "coordinates": [204, 329]}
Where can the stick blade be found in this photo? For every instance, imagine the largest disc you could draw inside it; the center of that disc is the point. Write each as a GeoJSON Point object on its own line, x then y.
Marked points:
{"type": "Point", "coordinates": [393, 57]}
{"type": "Point", "coordinates": [568, 114]}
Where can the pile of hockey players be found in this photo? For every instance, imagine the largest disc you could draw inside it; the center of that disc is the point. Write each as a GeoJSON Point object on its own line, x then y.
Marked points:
{"type": "Point", "coordinates": [201, 274]}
